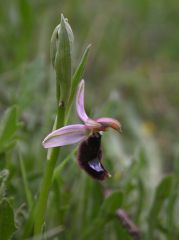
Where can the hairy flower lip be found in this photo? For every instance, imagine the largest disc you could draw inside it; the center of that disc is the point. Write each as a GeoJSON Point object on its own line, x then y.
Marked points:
{"type": "Point", "coordinates": [90, 157]}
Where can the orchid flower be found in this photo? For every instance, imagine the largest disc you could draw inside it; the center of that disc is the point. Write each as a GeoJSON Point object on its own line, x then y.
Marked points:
{"type": "Point", "coordinates": [89, 134]}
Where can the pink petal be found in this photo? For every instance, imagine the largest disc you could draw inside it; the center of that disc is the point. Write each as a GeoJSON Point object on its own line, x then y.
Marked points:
{"type": "Point", "coordinates": [80, 102]}
{"type": "Point", "coordinates": [66, 135]}
{"type": "Point", "coordinates": [109, 122]}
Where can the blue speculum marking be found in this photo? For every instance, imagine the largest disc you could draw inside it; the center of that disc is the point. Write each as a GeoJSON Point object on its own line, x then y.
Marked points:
{"type": "Point", "coordinates": [96, 165]}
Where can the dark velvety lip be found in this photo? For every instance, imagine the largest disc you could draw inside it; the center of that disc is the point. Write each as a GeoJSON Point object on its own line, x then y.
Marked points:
{"type": "Point", "coordinates": [90, 155]}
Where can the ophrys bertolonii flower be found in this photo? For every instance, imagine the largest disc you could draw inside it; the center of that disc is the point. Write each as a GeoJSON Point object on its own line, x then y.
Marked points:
{"type": "Point", "coordinates": [88, 134]}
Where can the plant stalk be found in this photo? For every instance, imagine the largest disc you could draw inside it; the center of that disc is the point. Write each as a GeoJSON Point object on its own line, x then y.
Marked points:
{"type": "Point", "coordinates": [52, 157]}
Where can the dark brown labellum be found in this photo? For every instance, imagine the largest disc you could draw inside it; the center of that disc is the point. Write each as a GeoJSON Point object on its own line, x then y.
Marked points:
{"type": "Point", "coordinates": [90, 155]}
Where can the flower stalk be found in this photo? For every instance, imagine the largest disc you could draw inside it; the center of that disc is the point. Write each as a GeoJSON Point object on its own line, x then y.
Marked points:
{"type": "Point", "coordinates": [52, 156]}
{"type": "Point", "coordinates": [61, 44]}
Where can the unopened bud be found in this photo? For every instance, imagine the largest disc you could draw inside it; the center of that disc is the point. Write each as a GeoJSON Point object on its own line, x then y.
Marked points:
{"type": "Point", "coordinates": [60, 52]}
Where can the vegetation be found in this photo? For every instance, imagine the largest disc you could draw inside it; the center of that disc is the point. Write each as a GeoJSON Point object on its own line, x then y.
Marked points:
{"type": "Point", "coordinates": [131, 74]}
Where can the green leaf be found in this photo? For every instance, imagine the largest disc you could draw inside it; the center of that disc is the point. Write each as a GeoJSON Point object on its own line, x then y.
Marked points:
{"type": "Point", "coordinates": [111, 204]}
{"type": "Point", "coordinates": [25, 182]}
{"type": "Point", "coordinates": [77, 77]}
{"type": "Point", "coordinates": [140, 200]}
{"type": "Point", "coordinates": [172, 201]}
{"type": "Point", "coordinates": [63, 60]}
{"type": "Point", "coordinates": [106, 213]}
{"type": "Point", "coordinates": [27, 230]}
{"type": "Point", "coordinates": [161, 194]}
{"type": "Point", "coordinates": [8, 127]}
{"type": "Point", "coordinates": [7, 225]}
{"type": "Point", "coordinates": [121, 231]}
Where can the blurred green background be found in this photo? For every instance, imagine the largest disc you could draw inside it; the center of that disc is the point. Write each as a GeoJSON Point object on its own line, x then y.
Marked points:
{"type": "Point", "coordinates": [132, 74]}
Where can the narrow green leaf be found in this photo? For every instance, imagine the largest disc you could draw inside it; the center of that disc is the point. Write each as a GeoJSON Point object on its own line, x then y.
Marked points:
{"type": "Point", "coordinates": [172, 201]}
{"type": "Point", "coordinates": [161, 194]}
{"type": "Point", "coordinates": [7, 225]}
{"type": "Point", "coordinates": [25, 182]}
{"type": "Point", "coordinates": [77, 77]}
{"type": "Point", "coordinates": [140, 200]}
{"type": "Point", "coordinates": [8, 127]}
{"type": "Point", "coordinates": [28, 226]}
{"type": "Point", "coordinates": [111, 204]}
{"type": "Point", "coordinates": [80, 70]}
{"type": "Point", "coordinates": [106, 213]}
{"type": "Point", "coordinates": [121, 232]}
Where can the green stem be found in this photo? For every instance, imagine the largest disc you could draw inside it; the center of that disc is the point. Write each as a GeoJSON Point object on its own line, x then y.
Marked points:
{"type": "Point", "coordinates": [52, 156]}
{"type": "Point", "coordinates": [25, 182]}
